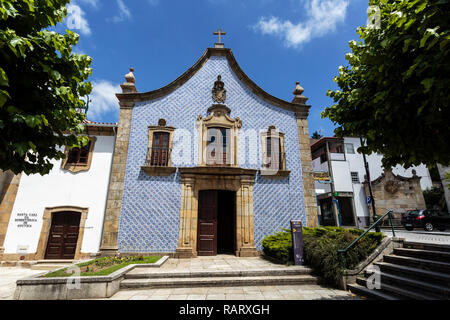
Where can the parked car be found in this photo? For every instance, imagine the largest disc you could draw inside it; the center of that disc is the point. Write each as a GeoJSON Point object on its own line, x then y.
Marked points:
{"type": "Point", "coordinates": [428, 219]}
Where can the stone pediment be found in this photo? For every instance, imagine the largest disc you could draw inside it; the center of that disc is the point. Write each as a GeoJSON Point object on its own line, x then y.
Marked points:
{"type": "Point", "coordinates": [131, 97]}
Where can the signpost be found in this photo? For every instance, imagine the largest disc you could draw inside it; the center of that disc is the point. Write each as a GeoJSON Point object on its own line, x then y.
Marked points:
{"type": "Point", "coordinates": [297, 242]}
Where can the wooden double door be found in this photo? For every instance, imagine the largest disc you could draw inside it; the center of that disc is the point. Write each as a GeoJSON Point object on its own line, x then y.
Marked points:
{"type": "Point", "coordinates": [63, 235]}
{"type": "Point", "coordinates": [216, 230]}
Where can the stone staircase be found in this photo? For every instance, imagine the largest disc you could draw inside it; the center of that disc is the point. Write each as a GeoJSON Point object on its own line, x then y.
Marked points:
{"type": "Point", "coordinates": [141, 278]}
{"type": "Point", "coordinates": [417, 271]}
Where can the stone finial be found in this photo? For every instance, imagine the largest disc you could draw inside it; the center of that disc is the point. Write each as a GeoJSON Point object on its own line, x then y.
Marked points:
{"type": "Point", "coordinates": [128, 86]}
{"type": "Point", "coordinates": [298, 91]}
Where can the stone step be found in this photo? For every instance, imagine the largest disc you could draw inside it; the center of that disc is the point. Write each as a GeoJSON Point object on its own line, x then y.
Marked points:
{"type": "Point", "coordinates": [216, 281]}
{"type": "Point", "coordinates": [48, 266]}
{"type": "Point", "coordinates": [60, 261]}
{"type": "Point", "coordinates": [415, 273]}
{"type": "Point", "coordinates": [424, 254]}
{"type": "Point", "coordinates": [424, 264]}
{"type": "Point", "coordinates": [145, 273]}
{"type": "Point", "coordinates": [374, 294]}
{"type": "Point", "coordinates": [426, 246]}
{"type": "Point", "coordinates": [432, 290]}
{"type": "Point", "coordinates": [396, 291]}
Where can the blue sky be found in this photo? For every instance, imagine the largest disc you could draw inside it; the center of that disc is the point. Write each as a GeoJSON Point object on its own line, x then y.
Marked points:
{"type": "Point", "coordinates": [276, 43]}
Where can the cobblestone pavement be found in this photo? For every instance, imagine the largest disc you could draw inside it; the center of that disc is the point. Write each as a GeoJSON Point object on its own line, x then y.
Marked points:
{"type": "Point", "coordinates": [288, 292]}
{"type": "Point", "coordinates": [421, 236]}
{"type": "Point", "coordinates": [8, 277]}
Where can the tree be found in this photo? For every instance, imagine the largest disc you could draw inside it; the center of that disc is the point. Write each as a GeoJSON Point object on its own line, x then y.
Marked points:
{"type": "Point", "coordinates": [396, 90]}
{"type": "Point", "coordinates": [41, 82]}
{"type": "Point", "coordinates": [316, 135]}
{"type": "Point", "coordinates": [434, 198]}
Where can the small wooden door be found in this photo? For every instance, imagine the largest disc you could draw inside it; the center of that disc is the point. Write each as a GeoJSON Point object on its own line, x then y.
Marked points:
{"type": "Point", "coordinates": [207, 223]}
{"type": "Point", "coordinates": [63, 236]}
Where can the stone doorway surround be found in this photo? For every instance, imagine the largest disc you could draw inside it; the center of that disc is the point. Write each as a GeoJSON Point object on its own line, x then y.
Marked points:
{"type": "Point", "coordinates": [45, 231]}
{"type": "Point", "coordinates": [234, 179]}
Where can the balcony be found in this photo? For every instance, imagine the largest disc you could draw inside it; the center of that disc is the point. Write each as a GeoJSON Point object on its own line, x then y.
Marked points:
{"type": "Point", "coordinates": [158, 162]}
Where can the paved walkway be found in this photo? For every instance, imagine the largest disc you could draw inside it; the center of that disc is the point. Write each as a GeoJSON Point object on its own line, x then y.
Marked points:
{"type": "Point", "coordinates": [224, 263]}
{"type": "Point", "coordinates": [421, 236]}
{"type": "Point", "coordinates": [215, 263]}
{"type": "Point", "coordinates": [8, 277]}
{"type": "Point", "coordinates": [289, 292]}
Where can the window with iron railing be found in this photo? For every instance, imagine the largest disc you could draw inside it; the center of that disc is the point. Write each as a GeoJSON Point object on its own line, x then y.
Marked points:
{"type": "Point", "coordinates": [159, 154]}
{"type": "Point", "coordinates": [273, 158]}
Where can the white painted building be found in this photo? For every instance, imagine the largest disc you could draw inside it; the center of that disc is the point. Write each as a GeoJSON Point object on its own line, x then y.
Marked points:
{"type": "Point", "coordinates": [69, 187]}
{"type": "Point", "coordinates": [346, 172]}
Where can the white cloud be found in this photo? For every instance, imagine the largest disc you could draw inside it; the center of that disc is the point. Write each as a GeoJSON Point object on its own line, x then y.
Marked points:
{"type": "Point", "coordinates": [322, 18]}
{"type": "Point", "coordinates": [76, 19]}
{"type": "Point", "coordinates": [103, 99]}
{"type": "Point", "coordinates": [124, 12]}
{"type": "Point", "coordinates": [93, 3]}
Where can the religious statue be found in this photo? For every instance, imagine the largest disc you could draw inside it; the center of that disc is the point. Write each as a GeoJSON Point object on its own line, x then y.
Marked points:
{"type": "Point", "coordinates": [218, 92]}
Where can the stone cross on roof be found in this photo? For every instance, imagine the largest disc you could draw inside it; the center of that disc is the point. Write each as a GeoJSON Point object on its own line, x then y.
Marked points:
{"type": "Point", "coordinates": [219, 33]}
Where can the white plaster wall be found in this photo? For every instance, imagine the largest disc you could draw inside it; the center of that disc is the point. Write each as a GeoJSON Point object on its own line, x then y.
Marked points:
{"type": "Point", "coordinates": [63, 188]}
{"type": "Point", "coordinates": [341, 176]}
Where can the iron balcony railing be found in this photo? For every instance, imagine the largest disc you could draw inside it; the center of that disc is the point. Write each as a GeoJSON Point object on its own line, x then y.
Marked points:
{"type": "Point", "coordinates": [158, 157]}
{"type": "Point", "coordinates": [274, 161]}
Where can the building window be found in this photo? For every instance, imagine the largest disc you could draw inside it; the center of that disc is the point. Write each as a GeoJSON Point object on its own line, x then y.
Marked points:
{"type": "Point", "coordinates": [79, 158]}
{"type": "Point", "coordinates": [160, 151]}
{"type": "Point", "coordinates": [218, 137]}
{"type": "Point", "coordinates": [349, 148]}
{"type": "Point", "coordinates": [355, 177]}
{"type": "Point", "coordinates": [273, 156]}
{"type": "Point", "coordinates": [218, 146]}
{"type": "Point", "coordinates": [160, 140]}
{"type": "Point", "coordinates": [273, 151]}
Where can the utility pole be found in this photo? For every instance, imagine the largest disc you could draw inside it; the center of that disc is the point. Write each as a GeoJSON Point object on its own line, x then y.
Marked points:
{"type": "Point", "coordinates": [366, 165]}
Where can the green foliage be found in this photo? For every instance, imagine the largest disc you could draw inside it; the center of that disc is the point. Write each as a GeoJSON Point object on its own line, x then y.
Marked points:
{"type": "Point", "coordinates": [320, 249]}
{"type": "Point", "coordinates": [434, 197]}
{"type": "Point", "coordinates": [316, 135]}
{"type": "Point", "coordinates": [396, 90]}
{"type": "Point", "coordinates": [41, 82]}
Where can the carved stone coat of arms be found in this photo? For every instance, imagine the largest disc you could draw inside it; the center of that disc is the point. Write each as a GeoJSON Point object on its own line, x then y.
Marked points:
{"type": "Point", "coordinates": [218, 92]}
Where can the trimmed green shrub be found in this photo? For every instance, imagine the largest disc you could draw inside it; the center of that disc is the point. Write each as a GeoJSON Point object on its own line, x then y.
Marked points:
{"type": "Point", "coordinates": [320, 249]}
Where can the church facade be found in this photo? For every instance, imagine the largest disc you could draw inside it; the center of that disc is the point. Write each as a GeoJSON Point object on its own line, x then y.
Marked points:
{"type": "Point", "coordinates": [208, 164]}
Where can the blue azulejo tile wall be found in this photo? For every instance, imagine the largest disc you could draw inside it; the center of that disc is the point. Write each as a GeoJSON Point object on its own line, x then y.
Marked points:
{"type": "Point", "coordinates": [149, 220]}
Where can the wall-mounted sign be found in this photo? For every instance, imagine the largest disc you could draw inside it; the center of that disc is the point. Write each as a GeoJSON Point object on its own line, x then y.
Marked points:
{"type": "Point", "coordinates": [321, 176]}
{"type": "Point", "coordinates": [21, 249]}
{"type": "Point", "coordinates": [297, 242]}
{"type": "Point", "coordinates": [25, 220]}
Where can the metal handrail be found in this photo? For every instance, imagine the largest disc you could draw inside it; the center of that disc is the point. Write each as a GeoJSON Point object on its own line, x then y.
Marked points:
{"type": "Point", "coordinates": [373, 225]}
